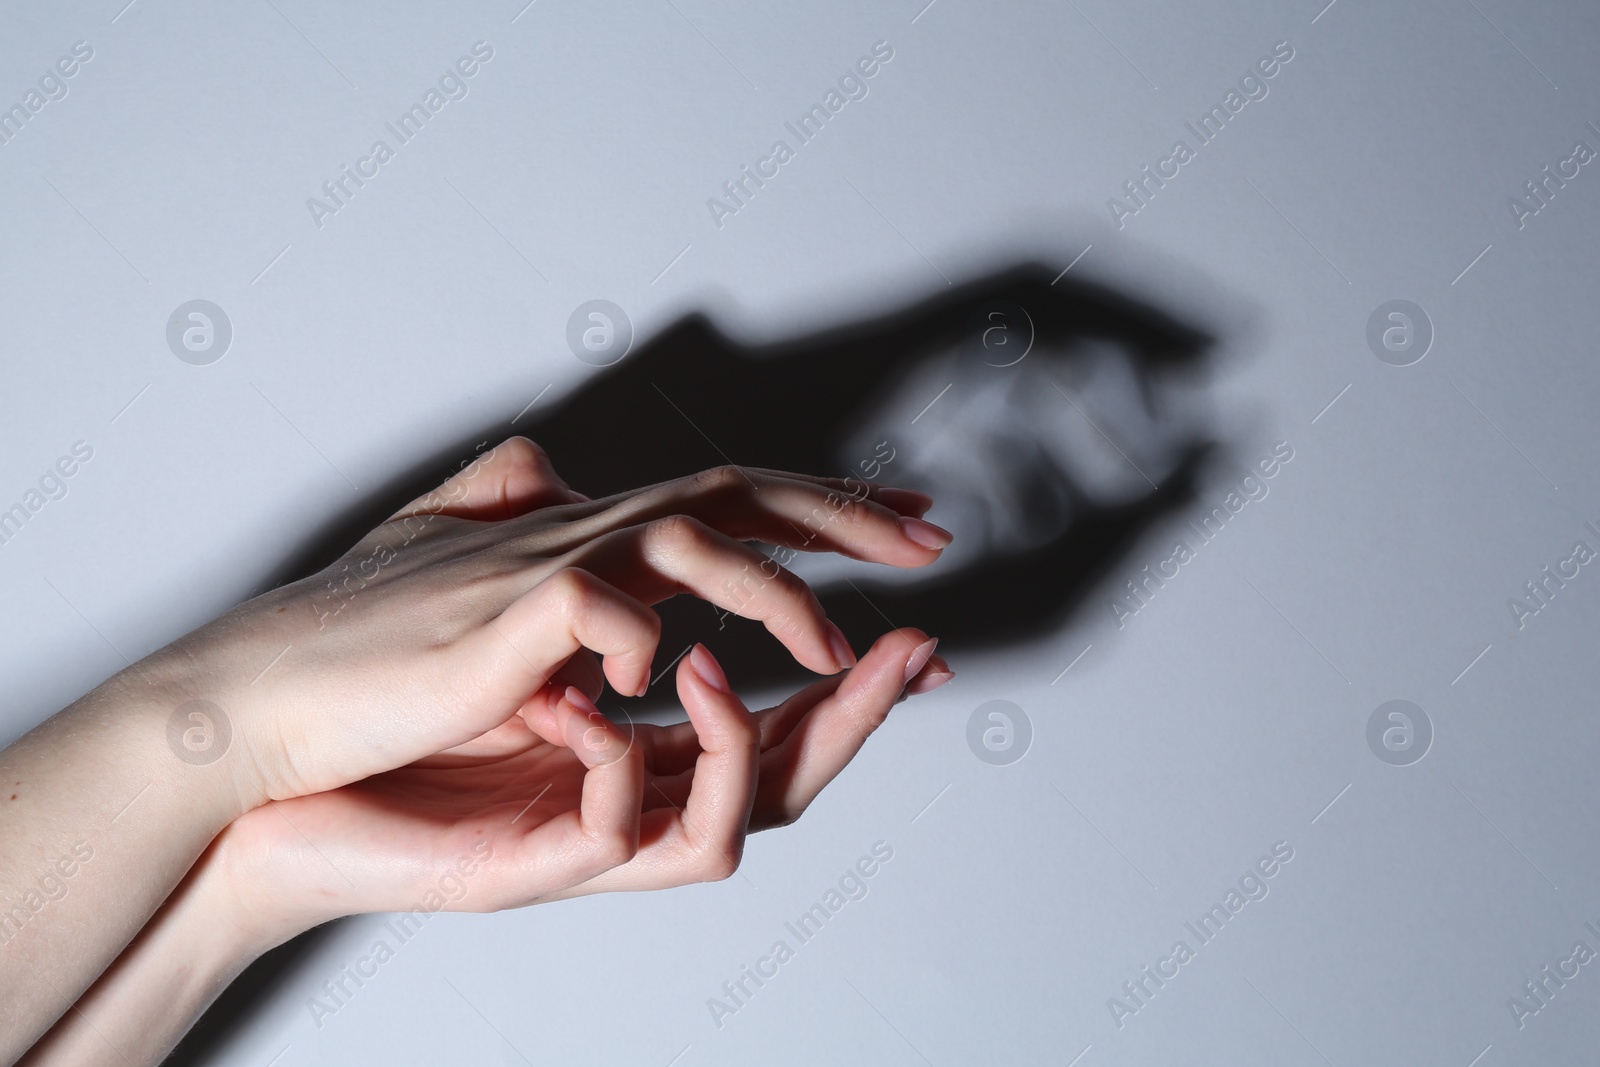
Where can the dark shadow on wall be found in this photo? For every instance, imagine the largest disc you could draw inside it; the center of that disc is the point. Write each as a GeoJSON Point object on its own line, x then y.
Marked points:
{"type": "Point", "coordinates": [692, 398]}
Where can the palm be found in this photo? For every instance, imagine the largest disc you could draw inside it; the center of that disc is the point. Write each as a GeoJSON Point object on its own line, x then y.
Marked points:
{"type": "Point", "coordinates": [382, 843]}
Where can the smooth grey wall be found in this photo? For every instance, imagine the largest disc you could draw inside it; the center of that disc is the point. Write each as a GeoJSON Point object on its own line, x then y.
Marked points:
{"type": "Point", "coordinates": [1172, 747]}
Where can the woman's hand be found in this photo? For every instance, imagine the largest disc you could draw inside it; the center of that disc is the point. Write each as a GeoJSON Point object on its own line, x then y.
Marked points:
{"type": "Point", "coordinates": [447, 620]}
{"type": "Point", "coordinates": [563, 802]}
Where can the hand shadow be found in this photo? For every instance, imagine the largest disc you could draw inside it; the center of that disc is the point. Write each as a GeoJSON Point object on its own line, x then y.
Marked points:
{"type": "Point", "coordinates": [1074, 368]}
{"type": "Point", "coordinates": [1034, 374]}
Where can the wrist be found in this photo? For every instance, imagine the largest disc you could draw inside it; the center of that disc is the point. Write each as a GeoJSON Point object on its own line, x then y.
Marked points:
{"type": "Point", "coordinates": [219, 936]}
{"type": "Point", "coordinates": [255, 881]}
{"type": "Point", "coordinates": [195, 732]}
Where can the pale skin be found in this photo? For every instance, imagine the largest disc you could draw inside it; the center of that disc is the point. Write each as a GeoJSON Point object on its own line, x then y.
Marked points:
{"type": "Point", "coordinates": [437, 716]}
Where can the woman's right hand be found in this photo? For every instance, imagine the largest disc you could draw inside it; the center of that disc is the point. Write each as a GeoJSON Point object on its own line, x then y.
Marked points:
{"type": "Point", "coordinates": [454, 615]}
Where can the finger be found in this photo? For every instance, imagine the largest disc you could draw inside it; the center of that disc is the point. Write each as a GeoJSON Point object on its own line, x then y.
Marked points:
{"type": "Point", "coordinates": [511, 479]}
{"type": "Point", "coordinates": [673, 751]}
{"type": "Point", "coordinates": [717, 814]}
{"type": "Point", "coordinates": [705, 840]}
{"type": "Point", "coordinates": [603, 833]}
{"type": "Point", "coordinates": [508, 660]}
{"type": "Point", "coordinates": [750, 505]}
{"type": "Point", "coordinates": [681, 554]}
{"type": "Point", "coordinates": [582, 670]}
{"type": "Point", "coordinates": [904, 501]}
{"type": "Point", "coordinates": [779, 722]}
{"type": "Point", "coordinates": [826, 735]}
{"type": "Point", "coordinates": [812, 518]}
{"type": "Point", "coordinates": [931, 677]}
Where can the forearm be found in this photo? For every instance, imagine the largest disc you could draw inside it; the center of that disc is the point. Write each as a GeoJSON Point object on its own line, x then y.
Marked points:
{"type": "Point", "coordinates": [138, 1010]}
{"type": "Point", "coordinates": [100, 818]}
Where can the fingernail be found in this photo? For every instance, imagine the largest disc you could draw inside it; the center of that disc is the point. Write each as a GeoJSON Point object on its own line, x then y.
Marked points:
{"type": "Point", "coordinates": [840, 646]}
{"type": "Point", "coordinates": [577, 699]}
{"type": "Point", "coordinates": [582, 498]}
{"type": "Point", "coordinates": [903, 500]}
{"type": "Point", "coordinates": [923, 533]}
{"type": "Point", "coordinates": [709, 670]}
{"type": "Point", "coordinates": [919, 658]}
{"type": "Point", "coordinates": [929, 682]}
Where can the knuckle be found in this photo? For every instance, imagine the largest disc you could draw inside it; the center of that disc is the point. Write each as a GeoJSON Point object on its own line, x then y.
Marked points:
{"type": "Point", "coordinates": [613, 849]}
{"type": "Point", "coordinates": [523, 450]}
{"type": "Point", "coordinates": [800, 594]}
{"type": "Point", "coordinates": [716, 865]}
{"type": "Point", "coordinates": [677, 533]}
{"type": "Point", "coordinates": [717, 479]}
{"type": "Point", "coordinates": [872, 718]}
{"type": "Point", "coordinates": [575, 589]}
{"type": "Point", "coordinates": [866, 712]}
{"type": "Point", "coordinates": [850, 513]}
{"type": "Point", "coordinates": [744, 732]}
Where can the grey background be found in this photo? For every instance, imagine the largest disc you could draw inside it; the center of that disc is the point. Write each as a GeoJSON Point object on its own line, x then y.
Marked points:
{"type": "Point", "coordinates": [1228, 715]}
